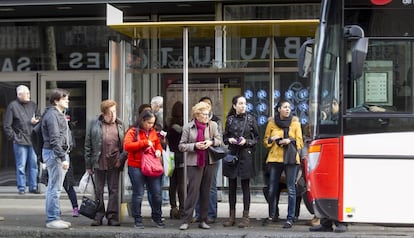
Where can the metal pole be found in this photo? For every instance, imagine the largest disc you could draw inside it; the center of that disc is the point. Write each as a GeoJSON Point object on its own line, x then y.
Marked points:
{"type": "Point", "coordinates": [185, 97]}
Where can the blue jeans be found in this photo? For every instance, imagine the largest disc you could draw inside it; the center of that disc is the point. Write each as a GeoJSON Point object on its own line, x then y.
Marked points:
{"type": "Point", "coordinates": [212, 201]}
{"type": "Point", "coordinates": [153, 185]}
{"type": "Point", "coordinates": [25, 157]}
{"type": "Point", "coordinates": [275, 170]}
{"type": "Point", "coordinates": [54, 184]}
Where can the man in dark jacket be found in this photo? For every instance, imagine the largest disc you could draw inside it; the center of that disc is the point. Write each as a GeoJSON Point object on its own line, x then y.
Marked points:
{"type": "Point", "coordinates": [21, 115]}
{"type": "Point", "coordinates": [57, 139]}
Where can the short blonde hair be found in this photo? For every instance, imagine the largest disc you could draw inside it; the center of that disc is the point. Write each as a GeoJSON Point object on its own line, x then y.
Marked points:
{"type": "Point", "coordinates": [199, 107]}
{"type": "Point", "coordinates": [105, 105]}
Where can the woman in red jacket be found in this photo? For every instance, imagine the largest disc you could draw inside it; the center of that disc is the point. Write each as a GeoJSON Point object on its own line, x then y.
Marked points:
{"type": "Point", "coordinates": [135, 143]}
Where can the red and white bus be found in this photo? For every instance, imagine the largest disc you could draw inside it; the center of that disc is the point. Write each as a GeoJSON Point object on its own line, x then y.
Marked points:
{"type": "Point", "coordinates": [361, 155]}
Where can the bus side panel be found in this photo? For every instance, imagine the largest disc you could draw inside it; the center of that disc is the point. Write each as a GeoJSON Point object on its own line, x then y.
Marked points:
{"type": "Point", "coordinates": [378, 177]}
{"type": "Point", "coordinates": [324, 179]}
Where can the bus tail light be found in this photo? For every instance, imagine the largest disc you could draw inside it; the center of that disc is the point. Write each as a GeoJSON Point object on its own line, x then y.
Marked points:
{"type": "Point", "coordinates": [313, 157]}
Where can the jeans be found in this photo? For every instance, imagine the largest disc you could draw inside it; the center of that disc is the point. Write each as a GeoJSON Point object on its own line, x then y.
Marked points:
{"type": "Point", "coordinates": [25, 157]}
{"type": "Point", "coordinates": [276, 170]}
{"type": "Point", "coordinates": [212, 201]}
{"type": "Point", "coordinates": [153, 185]}
{"type": "Point", "coordinates": [72, 196]}
{"type": "Point", "coordinates": [55, 184]}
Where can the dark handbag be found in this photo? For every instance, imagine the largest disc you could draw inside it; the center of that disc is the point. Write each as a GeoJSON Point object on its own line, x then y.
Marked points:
{"type": "Point", "coordinates": [230, 160]}
{"type": "Point", "coordinates": [230, 166]}
{"type": "Point", "coordinates": [89, 207]}
{"type": "Point", "coordinates": [289, 154]}
{"type": "Point", "coordinates": [150, 165]}
{"type": "Point", "coordinates": [218, 152]}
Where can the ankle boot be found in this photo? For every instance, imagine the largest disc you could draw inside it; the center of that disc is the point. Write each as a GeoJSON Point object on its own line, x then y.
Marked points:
{"type": "Point", "coordinates": [245, 220]}
{"type": "Point", "coordinates": [231, 220]}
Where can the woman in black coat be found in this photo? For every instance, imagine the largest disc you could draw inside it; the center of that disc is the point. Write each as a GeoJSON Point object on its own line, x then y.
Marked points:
{"type": "Point", "coordinates": [242, 135]}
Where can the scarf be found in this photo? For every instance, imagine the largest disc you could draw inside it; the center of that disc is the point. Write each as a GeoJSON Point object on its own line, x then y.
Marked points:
{"type": "Point", "coordinates": [201, 155]}
{"type": "Point", "coordinates": [284, 124]}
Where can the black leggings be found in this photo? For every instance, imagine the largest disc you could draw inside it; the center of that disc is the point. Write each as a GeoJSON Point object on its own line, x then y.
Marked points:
{"type": "Point", "coordinates": [245, 184]}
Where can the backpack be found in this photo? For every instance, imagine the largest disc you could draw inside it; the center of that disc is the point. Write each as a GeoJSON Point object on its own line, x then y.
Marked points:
{"type": "Point", "coordinates": [37, 140]}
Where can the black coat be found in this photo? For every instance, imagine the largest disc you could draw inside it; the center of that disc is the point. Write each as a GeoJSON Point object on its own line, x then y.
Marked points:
{"type": "Point", "coordinates": [245, 168]}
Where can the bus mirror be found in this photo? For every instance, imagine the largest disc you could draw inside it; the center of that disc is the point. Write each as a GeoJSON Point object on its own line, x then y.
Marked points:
{"type": "Point", "coordinates": [359, 53]}
{"type": "Point", "coordinates": [305, 58]}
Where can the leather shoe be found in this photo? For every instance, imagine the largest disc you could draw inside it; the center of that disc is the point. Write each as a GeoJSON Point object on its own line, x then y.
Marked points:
{"type": "Point", "coordinates": [320, 228]}
{"type": "Point", "coordinates": [340, 228]}
{"type": "Point", "coordinates": [96, 223]}
{"type": "Point", "coordinates": [203, 225]}
{"type": "Point", "coordinates": [113, 223]}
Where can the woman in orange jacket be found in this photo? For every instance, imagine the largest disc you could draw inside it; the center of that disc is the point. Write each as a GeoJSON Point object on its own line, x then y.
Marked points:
{"type": "Point", "coordinates": [138, 138]}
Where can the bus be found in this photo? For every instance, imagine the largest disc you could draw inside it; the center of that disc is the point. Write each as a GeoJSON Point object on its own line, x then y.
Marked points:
{"type": "Point", "coordinates": [360, 165]}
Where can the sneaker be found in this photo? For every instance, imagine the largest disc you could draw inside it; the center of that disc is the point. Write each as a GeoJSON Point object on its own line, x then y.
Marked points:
{"type": "Point", "coordinates": [288, 224]}
{"type": "Point", "coordinates": [75, 212]}
{"type": "Point", "coordinates": [21, 192]}
{"type": "Point", "coordinates": [56, 224]}
{"type": "Point", "coordinates": [184, 226]}
{"type": "Point", "coordinates": [203, 225]}
{"type": "Point", "coordinates": [66, 223]}
{"type": "Point", "coordinates": [159, 224]}
{"type": "Point", "coordinates": [139, 225]}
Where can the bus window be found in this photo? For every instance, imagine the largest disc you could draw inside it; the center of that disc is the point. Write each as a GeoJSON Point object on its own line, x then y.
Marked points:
{"type": "Point", "coordinates": [386, 82]}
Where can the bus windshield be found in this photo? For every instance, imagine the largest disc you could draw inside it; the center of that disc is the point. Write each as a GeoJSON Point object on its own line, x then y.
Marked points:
{"type": "Point", "coordinates": [325, 77]}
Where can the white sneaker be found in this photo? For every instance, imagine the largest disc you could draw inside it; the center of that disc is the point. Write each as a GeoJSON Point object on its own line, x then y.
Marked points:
{"type": "Point", "coordinates": [57, 224]}
{"type": "Point", "coordinates": [66, 222]}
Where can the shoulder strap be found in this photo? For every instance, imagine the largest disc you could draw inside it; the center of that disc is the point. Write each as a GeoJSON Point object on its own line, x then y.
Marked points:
{"type": "Point", "coordinates": [136, 133]}
{"type": "Point", "coordinates": [244, 125]}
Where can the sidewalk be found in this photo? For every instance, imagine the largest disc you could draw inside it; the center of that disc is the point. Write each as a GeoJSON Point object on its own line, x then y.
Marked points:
{"type": "Point", "coordinates": [25, 217]}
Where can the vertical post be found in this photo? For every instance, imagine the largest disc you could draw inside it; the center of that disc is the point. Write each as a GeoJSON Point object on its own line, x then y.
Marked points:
{"type": "Point", "coordinates": [185, 97]}
{"type": "Point", "coordinates": [272, 75]}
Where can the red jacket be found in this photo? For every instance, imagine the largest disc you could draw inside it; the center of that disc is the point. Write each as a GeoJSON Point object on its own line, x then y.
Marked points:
{"type": "Point", "coordinates": [135, 147]}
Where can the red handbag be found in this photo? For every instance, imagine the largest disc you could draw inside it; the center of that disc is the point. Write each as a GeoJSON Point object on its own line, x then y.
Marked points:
{"type": "Point", "coordinates": [151, 165]}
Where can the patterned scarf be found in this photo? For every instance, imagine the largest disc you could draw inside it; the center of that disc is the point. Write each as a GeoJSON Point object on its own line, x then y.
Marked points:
{"type": "Point", "coordinates": [284, 124]}
{"type": "Point", "coordinates": [201, 154]}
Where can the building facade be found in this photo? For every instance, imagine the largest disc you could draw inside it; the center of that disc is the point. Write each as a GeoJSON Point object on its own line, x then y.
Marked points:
{"type": "Point", "coordinates": [47, 44]}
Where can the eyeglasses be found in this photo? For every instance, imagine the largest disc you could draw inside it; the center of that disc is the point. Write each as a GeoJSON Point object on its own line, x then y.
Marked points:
{"type": "Point", "coordinates": [205, 114]}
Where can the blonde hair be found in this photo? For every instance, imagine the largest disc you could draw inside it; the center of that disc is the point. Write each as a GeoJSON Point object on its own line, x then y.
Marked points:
{"type": "Point", "coordinates": [199, 107]}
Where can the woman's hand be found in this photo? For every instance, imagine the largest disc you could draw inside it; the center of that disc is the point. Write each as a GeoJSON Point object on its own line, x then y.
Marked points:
{"type": "Point", "coordinates": [158, 154]}
{"type": "Point", "coordinates": [232, 140]}
{"type": "Point", "coordinates": [202, 145]}
{"type": "Point", "coordinates": [284, 141]}
{"type": "Point", "coordinates": [241, 141]}
{"type": "Point", "coordinates": [274, 138]}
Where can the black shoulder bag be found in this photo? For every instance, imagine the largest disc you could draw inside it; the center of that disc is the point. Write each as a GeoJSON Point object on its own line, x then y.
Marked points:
{"type": "Point", "coordinates": [89, 207]}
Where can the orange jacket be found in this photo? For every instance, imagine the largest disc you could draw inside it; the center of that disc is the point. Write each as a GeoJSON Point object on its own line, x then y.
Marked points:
{"type": "Point", "coordinates": [135, 147]}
